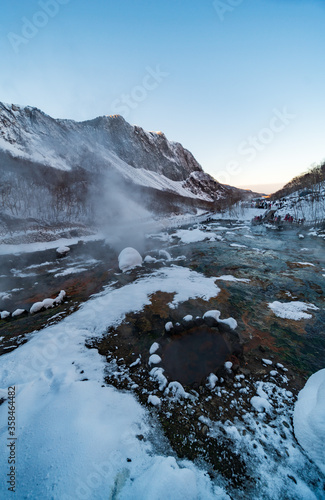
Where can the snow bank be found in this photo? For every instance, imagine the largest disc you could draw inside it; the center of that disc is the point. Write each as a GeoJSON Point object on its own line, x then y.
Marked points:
{"type": "Point", "coordinates": [128, 259]}
{"type": "Point", "coordinates": [292, 310]}
{"type": "Point", "coordinates": [309, 418]}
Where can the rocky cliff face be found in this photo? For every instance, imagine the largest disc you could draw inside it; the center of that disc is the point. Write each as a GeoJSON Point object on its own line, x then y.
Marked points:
{"type": "Point", "coordinates": [49, 167]}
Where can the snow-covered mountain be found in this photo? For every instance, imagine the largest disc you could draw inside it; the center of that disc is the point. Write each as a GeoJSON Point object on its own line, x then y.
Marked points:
{"type": "Point", "coordinates": [54, 169]}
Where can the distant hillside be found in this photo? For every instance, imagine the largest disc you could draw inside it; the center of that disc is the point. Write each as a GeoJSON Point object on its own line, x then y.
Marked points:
{"type": "Point", "coordinates": [304, 196]}
{"type": "Point", "coordinates": [60, 171]}
{"type": "Point", "coordinates": [310, 180]}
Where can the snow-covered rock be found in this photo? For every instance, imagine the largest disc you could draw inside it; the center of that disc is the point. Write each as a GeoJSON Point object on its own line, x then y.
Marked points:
{"type": "Point", "coordinates": [155, 346]}
{"type": "Point", "coordinates": [62, 251]}
{"type": "Point", "coordinates": [18, 312]}
{"type": "Point", "coordinates": [154, 400]}
{"type": "Point", "coordinates": [260, 404]}
{"type": "Point", "coordinates": [309, 418]}
{"type": "Point", "coordinates": [154, 359]}
{"type": "Point", "coordinates": [157, 374]}
{"type": "Point", "coordinates": [165, 255]}
{"type": "Point", "coordinates": [4, 314]}
{"type": "Point", "coordinates": [228, 365]}
{"type": "Point", "coordinates": [212, 381]}
{"type": "Point", "coordinates": [48, 303]}
{"type": "Point", "coordinates": [129, 258]}
{"type": "Point", "coordinates": [169, 326]}
{"type": "Point", "coordinates": [149, 260]}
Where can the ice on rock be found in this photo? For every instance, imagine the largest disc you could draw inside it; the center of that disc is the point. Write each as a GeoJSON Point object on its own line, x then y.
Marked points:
{"type": "Point", "coordinates": [228, 365]}
{"type": "Point", "coordinates": [267, 361]}
{"type": "Point", "coordinates": [188, 318]}
{"type": "Point", "coordinates": [4, 314]}
{"type": "Point", "coordinates": [128, 259]}
{"type": "Point", "coordinates": [309, 418]}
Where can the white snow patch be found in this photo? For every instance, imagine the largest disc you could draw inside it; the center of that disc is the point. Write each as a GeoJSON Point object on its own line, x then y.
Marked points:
{"type": "Point", "coordinates": [229, 277]}
{"type": "Point", "coordinates": [187, 236]}
{"type": "Point", "coordinates": [292, 310]}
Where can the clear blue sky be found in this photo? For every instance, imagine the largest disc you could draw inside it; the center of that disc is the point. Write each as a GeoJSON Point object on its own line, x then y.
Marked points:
{"type": "Point", "coordinates": [241, 82]}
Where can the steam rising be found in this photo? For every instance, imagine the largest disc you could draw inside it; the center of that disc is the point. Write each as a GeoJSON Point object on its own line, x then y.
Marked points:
{"type": "Point", "coordinates": [120, 213]}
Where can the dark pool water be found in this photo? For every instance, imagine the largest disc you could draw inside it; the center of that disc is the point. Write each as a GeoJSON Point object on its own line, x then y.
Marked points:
{"type": "Point", "coordinates": [192, 356]}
